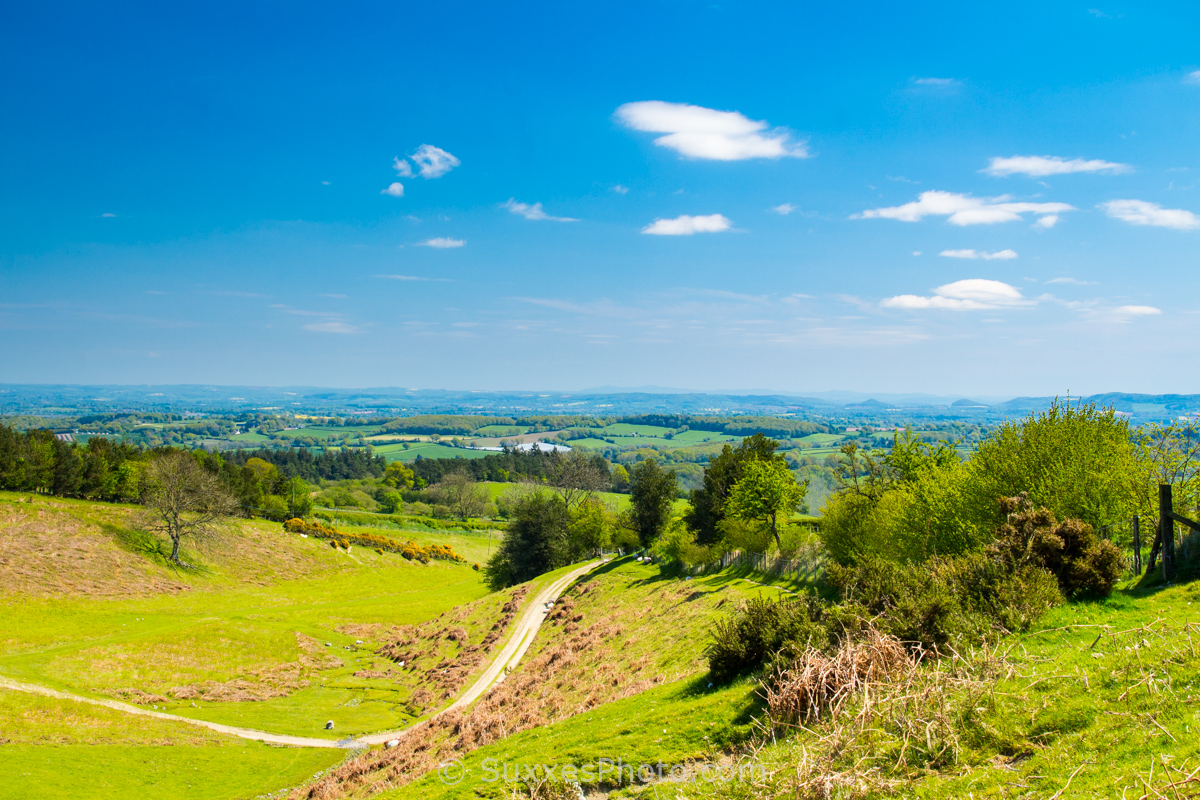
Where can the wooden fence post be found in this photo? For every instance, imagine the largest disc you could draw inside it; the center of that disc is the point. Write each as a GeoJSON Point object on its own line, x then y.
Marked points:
{"type": "Point", "coordinates": [1166, 523]}
{"type": "Point", "coordinates": [1137, 547]}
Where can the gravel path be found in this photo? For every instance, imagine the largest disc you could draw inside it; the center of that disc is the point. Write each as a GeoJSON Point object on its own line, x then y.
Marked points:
{"type": "Point", "coordinates": [509, 656]}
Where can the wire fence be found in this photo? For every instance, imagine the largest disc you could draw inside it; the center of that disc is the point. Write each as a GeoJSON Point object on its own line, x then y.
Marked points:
{"type": "Point", "coordinates": [805, 563]}
{"type": "Point", "coordinates": [1135, 538]}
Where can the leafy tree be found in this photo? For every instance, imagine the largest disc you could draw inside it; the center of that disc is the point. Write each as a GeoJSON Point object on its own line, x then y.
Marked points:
{"type": "Point", "coordinates": [620, 478]}
{"type": "Point", "coordinates": [398, 475]}
{"type": "Point", "coordinates": [707, 505]}
{"type": "Point", "coordinates": [537, 541]}
{"type": "Point", "coordinates": [591, 527]}
{"type": "Point", "coordinates": [767, 490]}
{"type": "Point", "coordinates": [652, 493]}
{"type": "Point", "coordinates": [182, 499]}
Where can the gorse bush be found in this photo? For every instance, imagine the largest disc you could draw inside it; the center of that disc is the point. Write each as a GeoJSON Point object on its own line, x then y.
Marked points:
{"type": "Point", "coordinates": [944, 601]}
{"type": "Point", "coordinates": [940, 604]}
{"type": "Point", "coordinates": [760, 630]}
{"type": "Point", "coordinates": [1082, 562]}
{"type": "Point", "coordinates": [409, 549]}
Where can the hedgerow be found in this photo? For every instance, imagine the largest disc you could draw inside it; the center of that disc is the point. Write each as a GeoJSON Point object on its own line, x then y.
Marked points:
{"type": "Point", "coordinates": [409, 549]}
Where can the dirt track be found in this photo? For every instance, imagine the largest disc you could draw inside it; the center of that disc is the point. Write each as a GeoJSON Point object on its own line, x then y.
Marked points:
{"type": "Point", "coordinates": [509, 656]}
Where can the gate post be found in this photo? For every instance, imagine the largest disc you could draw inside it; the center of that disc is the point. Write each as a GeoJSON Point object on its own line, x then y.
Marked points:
{"type": "Point", "coordinates": [1167, 527]}
{"type": "Point", "coordinates": [1137, 547]}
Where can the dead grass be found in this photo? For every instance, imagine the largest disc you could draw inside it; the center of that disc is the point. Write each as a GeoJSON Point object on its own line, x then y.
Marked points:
{"type": "Point", "coordinates": [53, 547]}
{"type": "Point", "coordinates": [817, 684]}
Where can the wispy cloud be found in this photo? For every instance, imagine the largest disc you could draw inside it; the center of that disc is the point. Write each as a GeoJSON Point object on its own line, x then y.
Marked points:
{"type": "Point", "coordinates": [1141, 212]}
{"type": "Point", "coordinates": [686, 225]}
{"type": "Point", "coordinates": [999, 255]}
{"type": "Point", "coordinates": [1137, 311]}
{"type": "Point", "coordinates": [402, 167]}
{"type": "Point", "coordinates": [411, 278]}
{"type": "Point", "coordinates": [937, 83]}
{"type": "Point", "coordinates": [619, 189]}
{"type": "Point", "coordinates": [395, 189]}
{"type": "Point", "coordinates": [442, 242]}
{"type": "Point", "coordinates": [973, 294]}
{"type": "Point", "coordinates": [332, 327]}
{"type": "Point", "coordinates": [533, 212]}
{"type": "Point", "coordinates": [706, 133]}
{"type": "Point", "coordinates": [783, 208]}
{"type": "Point", "coordinates": [963, 209]}
{"type": "Point", "coordinates": [1192, 78]}
{"type": "Point", "coordinates": [107, 215]}
{"type": "Point", "coordinates": [1044, 166]}
{"type": "Point", "coordinates": [1072, 281]}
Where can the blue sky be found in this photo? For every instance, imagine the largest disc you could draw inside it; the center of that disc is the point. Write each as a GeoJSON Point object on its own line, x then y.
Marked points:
{"type": "Point", "coordinates": [948, 198]}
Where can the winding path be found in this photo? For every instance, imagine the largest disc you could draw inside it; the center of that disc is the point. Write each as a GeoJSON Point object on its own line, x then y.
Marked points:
{"type": "Point", "coordinates": [509, 656]}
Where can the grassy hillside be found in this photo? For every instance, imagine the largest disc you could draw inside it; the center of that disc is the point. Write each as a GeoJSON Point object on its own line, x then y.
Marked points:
{"type": "Point", "coordinates": [114, 757]}
{"type": "Point", "coordinates": [621, 632]}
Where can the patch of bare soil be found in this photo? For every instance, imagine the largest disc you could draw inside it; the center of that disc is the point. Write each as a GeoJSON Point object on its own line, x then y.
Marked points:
{"type": "Point", "coordinates": [276, 680]}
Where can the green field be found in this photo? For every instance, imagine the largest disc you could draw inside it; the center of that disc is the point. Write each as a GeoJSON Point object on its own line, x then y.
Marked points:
{"type": "Point", "coordinates": [627, 429]}
{"type": "Point", "coordinates": [260, 614]}
{"type": "Point", "coordinates": [397, 452]}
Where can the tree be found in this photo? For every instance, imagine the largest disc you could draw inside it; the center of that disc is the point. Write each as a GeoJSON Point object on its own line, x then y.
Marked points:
{"type": "Point", "coordinates": [576, 476]}
{"type": "Point", "coordinates": [465, 497]}
{"type": "Point", "coordinates": [591, 527]}
{"type": "Point", "coordinates": [652, 493]}
{"type": "Point", "coordinates": [537, 541]}
{"type": "Point", "coordinates": [398, 475]}
{"type": "Point", "coordinates": [182, 499]}
{"type": "Point", "coordinates": [707, 506]}
{"type": "Point", "coordinates": [620, 479]}
{"type": "Point", "coordinates": [766, 492]}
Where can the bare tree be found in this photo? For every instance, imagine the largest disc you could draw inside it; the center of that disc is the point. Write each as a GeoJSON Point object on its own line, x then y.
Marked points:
{"type": "Point", "coordinates": [576, 476]}
{"type": "Point", "coordinates": [465, 497]}
{"type": "Point", "coordinates": [183, 499]}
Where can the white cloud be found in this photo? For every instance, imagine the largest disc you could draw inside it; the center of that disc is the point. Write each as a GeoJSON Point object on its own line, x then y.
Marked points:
{"type": "Point", "coordinates": [107, 215]}
{"type": "Point", "coordinates": [394, 190]}
{"type": "Point", "coordinates": [942, 83]}
{"type": "Point", "coordinates": [442, 242]}
{"type": "Point", "coordinates": [1137, 311]}
{"type": "Point", "coordinates": [698, 132]}
{"type": "Point", "coordinates": [963, 209]}
{"type": "Point", "coordinates": [1071, 281]}
{"type": "Point", "coordinates": [402, 167]}
{"type": "Point", "coordinates": [432, 162]}
{"type": "Point", "coordinates": [534, 211]}
{"type": "Point", "coordinates": [1047, 222]}
{"type": "Point", "coordinates": [1042, 166]}
{"type": "Point", "coordinates": [1140, 212]}
{"type": "Point", "coordinates": [332, 327]}
{"type": "Point", "coordinates": [686, 225]}
{"type": "Point", "coordinates": [1000, 255]}
{"type": "Point", "coordinates": [1192, 78]}
{"type": "Point", "coordinates": [411, 278]}
{"type": "Point", "coordinates": [783, 208]}
{"type": "Point", "coordinates": [972, 294]}
{"type": "Point", "coordinates": [619, 189]}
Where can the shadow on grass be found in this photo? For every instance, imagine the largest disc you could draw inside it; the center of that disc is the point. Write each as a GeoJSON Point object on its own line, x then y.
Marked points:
{"type": "Point", "coordinates": [151, 547]}
{"type": "Point", "coordinates": [753, 705]}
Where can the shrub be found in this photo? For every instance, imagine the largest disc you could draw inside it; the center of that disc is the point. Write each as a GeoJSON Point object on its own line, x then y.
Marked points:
{"type": "Point", "coordinates": [1083, 563]}
{"type": "Point", "coordinates": [946, 601]}
{"type": "Point", "coordinates": [762, 629]}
